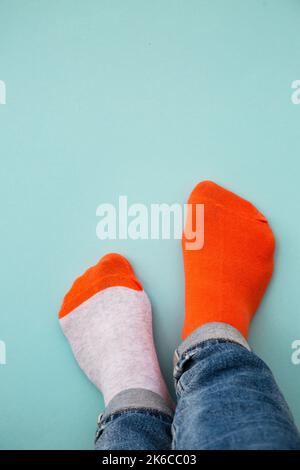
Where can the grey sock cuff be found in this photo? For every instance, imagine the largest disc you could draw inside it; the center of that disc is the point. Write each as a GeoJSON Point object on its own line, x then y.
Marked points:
{"type": "Point", "coordinates": [136, 398]}
{"type": "Point", "coordinates": [212, 330]}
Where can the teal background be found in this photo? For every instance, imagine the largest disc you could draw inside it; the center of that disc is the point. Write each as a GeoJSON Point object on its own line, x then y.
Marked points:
{"type": "Point", "coordinates": [145, 99]}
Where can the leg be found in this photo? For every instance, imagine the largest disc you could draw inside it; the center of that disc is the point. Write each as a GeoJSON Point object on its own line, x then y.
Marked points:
{"type": "Point", "coordinates": [227, 396]}
{"type": "Point", "coordinates": [107, 319]}
{"type": "Point", "coordinates": [135, 419]}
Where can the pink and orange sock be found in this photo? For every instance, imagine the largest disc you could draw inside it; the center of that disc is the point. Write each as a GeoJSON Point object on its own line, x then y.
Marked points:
{"type": "Point", "coordinates": [107, 319]}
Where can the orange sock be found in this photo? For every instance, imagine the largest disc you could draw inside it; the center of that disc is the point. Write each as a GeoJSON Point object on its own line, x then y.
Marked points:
{"type": "Point", "coordinates": [226, 279]}
{"type": "Point", "coordinates": [111, 270]}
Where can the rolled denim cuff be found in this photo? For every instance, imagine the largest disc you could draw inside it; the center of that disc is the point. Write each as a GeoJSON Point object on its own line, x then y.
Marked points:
{"type": "Point", "coordinates": [135, 399]}
{"type": "Point", "coordinates": [212, 330]}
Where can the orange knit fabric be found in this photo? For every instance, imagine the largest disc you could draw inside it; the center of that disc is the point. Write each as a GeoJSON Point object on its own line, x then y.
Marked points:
{"type": "Point", "coordinates": [112, 270]}
{"type": "Point", "coordinates": [226, 279]}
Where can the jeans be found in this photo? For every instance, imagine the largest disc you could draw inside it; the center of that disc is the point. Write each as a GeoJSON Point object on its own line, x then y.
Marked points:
{"type": "Point", "coordinates": [227, 398]}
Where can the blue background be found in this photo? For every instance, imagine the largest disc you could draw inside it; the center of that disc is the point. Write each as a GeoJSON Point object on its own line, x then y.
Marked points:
{"type": "Point", "coordinates": [143, 99]}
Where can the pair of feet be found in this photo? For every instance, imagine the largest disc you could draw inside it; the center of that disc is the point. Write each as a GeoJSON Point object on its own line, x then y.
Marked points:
{"type": "Point", "coordinates": [107, 317]}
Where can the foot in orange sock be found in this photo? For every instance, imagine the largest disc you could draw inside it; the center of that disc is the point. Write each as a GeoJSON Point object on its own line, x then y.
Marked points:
{"type": "Point", "coordinates": [107, 319]}
{"type": "Point", "coordinates": [226, 279]}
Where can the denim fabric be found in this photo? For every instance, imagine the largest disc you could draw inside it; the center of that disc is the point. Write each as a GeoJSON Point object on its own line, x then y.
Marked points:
{"type": "Point", "coordinates": [135, 429]}
{"type": "Point", "coordinates": [227, 399]}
